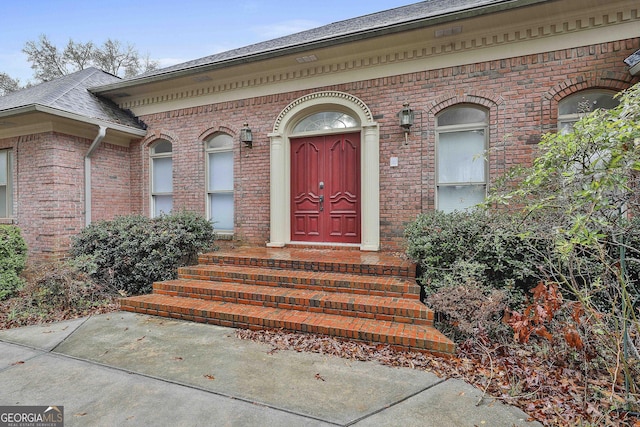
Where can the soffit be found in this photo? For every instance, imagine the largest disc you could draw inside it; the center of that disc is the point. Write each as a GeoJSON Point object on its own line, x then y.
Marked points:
{"type": "Point", "coordinates": [33, 122]}
{"type": "Point", "coordinates": [546, 26]}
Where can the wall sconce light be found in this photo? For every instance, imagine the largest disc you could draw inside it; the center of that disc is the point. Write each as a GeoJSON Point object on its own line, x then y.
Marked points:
{"type": "Point", "coordinates": [406, 116]}
{"type": "Point", "coordinates": [246, 136]}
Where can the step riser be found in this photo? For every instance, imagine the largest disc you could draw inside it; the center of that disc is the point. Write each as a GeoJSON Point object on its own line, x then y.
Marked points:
{"type": "Point", "coordinates": [383, 335]}
{"type": "Point", "coordinates": [406, 290]}
{"type": "Point", "coordinates": [321, 267]}
{"type": "Point", "coordinates": [417, 316]}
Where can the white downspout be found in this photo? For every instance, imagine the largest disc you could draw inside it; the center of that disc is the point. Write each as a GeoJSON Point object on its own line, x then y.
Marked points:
{"type": "Point", "coordinates": [87, 173]}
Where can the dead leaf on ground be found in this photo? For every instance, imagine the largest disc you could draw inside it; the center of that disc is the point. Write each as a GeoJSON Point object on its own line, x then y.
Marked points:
{"type": "Point", "coordinates": [19, 362]}
{"type": "Point", "coordinates": [209, 377]}
{"type": "Point", "coordinates": [80, 414]}
{"type": "Point", "coordinates": [141, 338]}
{"type": "Point", "coordinates": [319, 377]}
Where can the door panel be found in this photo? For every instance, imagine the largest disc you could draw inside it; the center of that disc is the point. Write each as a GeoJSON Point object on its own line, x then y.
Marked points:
{"type": "Point", "coordinates": [325, 188]}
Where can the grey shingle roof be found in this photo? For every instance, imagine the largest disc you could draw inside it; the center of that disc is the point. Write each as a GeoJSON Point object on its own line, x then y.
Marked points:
{"type": "Point", "coordinates": [69, 94]}
{"type": "Point", "coordinates": [350, 27]}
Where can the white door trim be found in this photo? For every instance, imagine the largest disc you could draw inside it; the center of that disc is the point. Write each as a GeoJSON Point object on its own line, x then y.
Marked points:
{"type": "Point", "coordinates": [280, 166]}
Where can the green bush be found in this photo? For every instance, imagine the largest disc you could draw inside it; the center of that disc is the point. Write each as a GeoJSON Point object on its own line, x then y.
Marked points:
{"type": "Point", "coordinates": [129, 253]}
{"type": "Point", "coordinates": [473, 247]}
{"type": "Point", "coordinates": [13, 259]}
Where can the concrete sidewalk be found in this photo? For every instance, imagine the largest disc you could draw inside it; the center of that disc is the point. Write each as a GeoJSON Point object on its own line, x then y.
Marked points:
{"type": "Point", "coordinates": [123, 369]}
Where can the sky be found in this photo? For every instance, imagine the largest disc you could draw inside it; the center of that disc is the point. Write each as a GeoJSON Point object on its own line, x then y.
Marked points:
{"type": "Point", "coordinates": [169, 31]}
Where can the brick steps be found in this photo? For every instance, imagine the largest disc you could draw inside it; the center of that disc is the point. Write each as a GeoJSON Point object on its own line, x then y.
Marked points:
{"type": "Point", "coordinates": [349, 294]}
{"type": "Point", "coordinates": [319, 281]}
{"type": "Point", "coordinates": [367, 306]}
{"type": "Point", "coordinates": [256, 317]}
{"type": "Point", "coordinates": [333, 261]}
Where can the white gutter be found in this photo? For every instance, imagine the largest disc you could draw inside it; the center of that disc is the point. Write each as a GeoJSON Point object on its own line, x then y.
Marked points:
{"type": "Point", "coordinates": [87, 173]}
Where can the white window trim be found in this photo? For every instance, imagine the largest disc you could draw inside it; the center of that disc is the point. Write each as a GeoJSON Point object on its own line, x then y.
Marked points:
{"type": "Point", "coordinates": [152, 193]}
{"type": "Point", "coordinates": [461, 128]}
{"type": "Point", "coordinates": [210, 192]}
{"type": "Point", "coordinates": [9, 184]}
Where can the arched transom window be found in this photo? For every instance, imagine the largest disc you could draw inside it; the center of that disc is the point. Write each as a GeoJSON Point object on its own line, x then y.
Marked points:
{"type": "Point", "coordinates": [326, 120]}
{"type": "Point", "coordinates": [220, 197]}
{"type": "Point", "coordinates": [461, 141]}
{"type": "Point", "coordinates": [574, 107]}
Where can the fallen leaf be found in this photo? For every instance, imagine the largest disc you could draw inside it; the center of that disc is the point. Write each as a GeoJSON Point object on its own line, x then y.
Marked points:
{"type": "Point", "coordinates": [319, 377]}
{"type": "Point", "coordinates": [20, 362]}
{"type": "Point", "coordinates": [178, 358]}
{"type": "Point", "coordinates": [141, 338]}
{"type": "Point", "coordinates": [80, 414]}
{"type": "Point", "coordinates": [209, 377]}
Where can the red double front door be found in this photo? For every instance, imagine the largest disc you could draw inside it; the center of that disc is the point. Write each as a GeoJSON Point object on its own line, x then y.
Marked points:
{"type": "Point", "coordinates": [325, 188]}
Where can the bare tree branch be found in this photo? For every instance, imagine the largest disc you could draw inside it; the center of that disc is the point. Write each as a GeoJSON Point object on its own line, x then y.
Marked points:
{"type": "Point", "coordinates": [8, 84]}
{"type": "Point", "coordinates": [46, 60]}
{"type": "Point", "coordinates": [49, 62]}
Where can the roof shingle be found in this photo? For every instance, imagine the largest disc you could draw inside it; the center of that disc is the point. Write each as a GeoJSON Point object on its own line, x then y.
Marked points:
{"type": "Point", "coordinates": [362, 24]}
{"type": "Point", "coordinates": [69, 93]}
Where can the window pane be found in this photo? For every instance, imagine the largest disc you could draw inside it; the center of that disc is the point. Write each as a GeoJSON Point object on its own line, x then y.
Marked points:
{"type": "Point", "coordinates": [162, 204]}
{"type": "Point", "coordinates": [461, 156]}
{"type": "Point", "coordinates": [3, 167]}
{"type": "Point", "coordinates": [221, 171]}
{"type": "Point", "coordinates": [220, 141]}
{"type": "Point", "coordinates": [460, 197]}
{"type": "Point", "coordinates": [3, 202]}
{"type": "Point", "coordinates": [162, 175]}
{"type": "Point", "coordinates": [586, 102]}
{"type": "Point", "coordinates": [461, 116]}
{"type": "Point", "coordinates": [325, 121]}
{"type": "Point", "coordinates": [162, 147]}
{"type": "Point", "coordinates": [221, 208]}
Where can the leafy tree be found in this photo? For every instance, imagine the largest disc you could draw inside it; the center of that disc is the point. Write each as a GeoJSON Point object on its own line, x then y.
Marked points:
{"type": "Point", "coordinates": [8, 84]}
{"type": "Point", "coordinates": [50, 62]}
{"type": "Point", "coordinates": [584, 186]}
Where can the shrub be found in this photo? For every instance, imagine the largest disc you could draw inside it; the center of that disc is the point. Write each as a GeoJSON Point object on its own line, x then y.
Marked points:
{"type": "Point", "coordinates": [61, 286]}
{"type": "Point", "coordinates": [129, 253]}
{"type": "Point", "coordinates": [13, 259]}
{"type": "Point", "coordinates": [454, 248]}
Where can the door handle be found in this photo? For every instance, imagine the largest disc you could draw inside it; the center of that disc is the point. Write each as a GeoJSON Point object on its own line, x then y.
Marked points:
{"type": "Point", "coordinates": [321, 203]}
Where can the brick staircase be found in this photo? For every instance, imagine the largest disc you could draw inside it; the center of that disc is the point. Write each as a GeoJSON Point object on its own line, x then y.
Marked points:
{"type": "Point", "coordinates": [365, 296]}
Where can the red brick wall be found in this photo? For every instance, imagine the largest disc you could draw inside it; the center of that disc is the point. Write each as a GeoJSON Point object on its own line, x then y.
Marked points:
{"type": "Point", "coordinates": [520, 93]}
{"type": "Point", "coordinates": [48, 188]}
{"type": "Point", "coordinates": [111, 180]}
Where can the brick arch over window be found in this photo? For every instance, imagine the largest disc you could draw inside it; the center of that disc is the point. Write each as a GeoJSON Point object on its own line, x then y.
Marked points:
{"type": "Point", "coordinates": [156, 135]}
{"type": "Point", "coordinates": [603, 80]}
{"type": "Point", "coordinates": [208, 133]}
{"type": "Point", "coordinates": [280, 172]}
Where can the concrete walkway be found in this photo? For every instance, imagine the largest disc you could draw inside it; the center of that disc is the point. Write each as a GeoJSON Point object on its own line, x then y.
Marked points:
{"type": "Point", "coordinates": [122, 369]}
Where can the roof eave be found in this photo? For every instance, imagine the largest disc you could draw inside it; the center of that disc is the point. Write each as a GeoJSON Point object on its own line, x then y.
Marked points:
{"type": "Point", "coordinates": [303, 47]}
{"type": "Point", "coordinates": [34, 108]}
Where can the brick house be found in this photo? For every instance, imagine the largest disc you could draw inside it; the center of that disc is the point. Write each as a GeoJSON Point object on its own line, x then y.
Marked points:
{"type": "Point", "coordinates": [328, 162]}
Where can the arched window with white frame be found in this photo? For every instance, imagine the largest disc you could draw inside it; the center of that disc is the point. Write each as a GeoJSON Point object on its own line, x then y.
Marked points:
{"type": "Point", "coordinates": [220, 189]}
{"type": "Point", "coordinates": [461, 170]}
{"type": "Point", "coordinates": [161, 178]}
{"type": "Point", "coordinates": [573, 107]}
